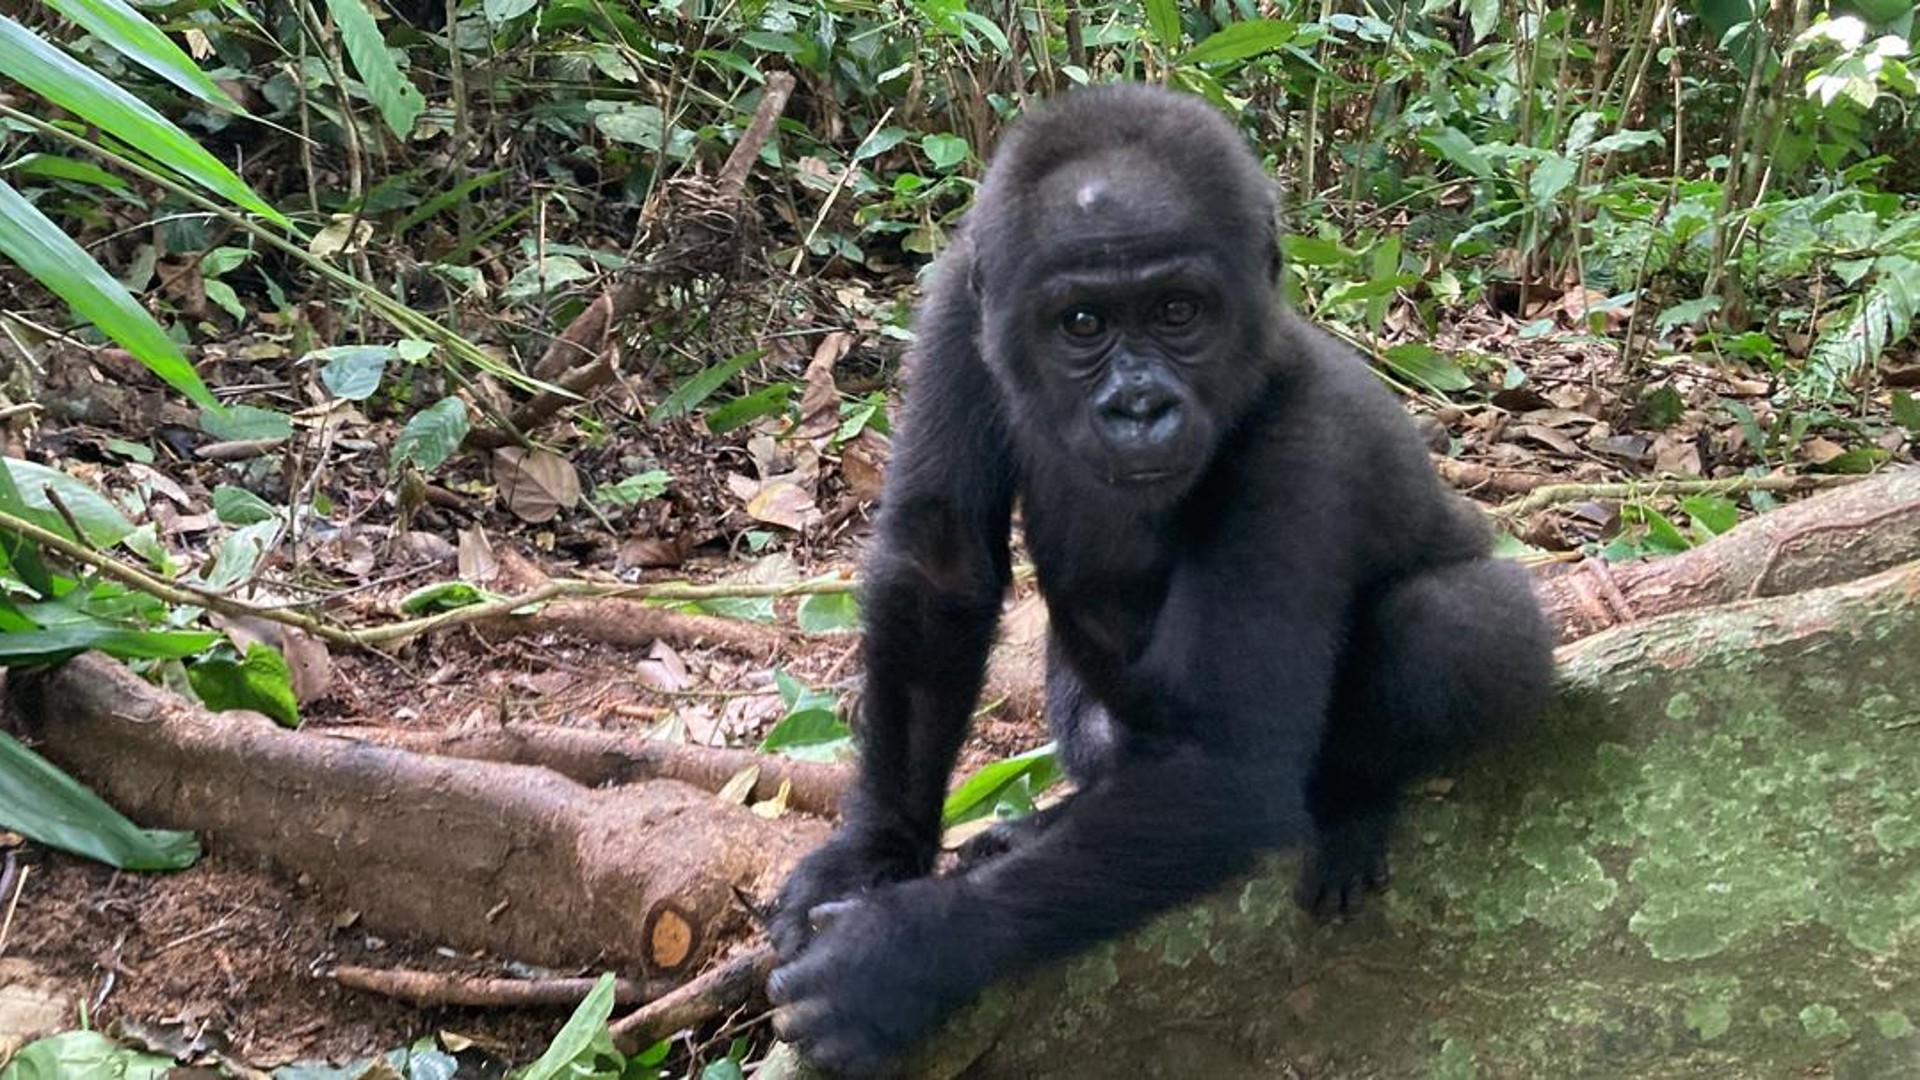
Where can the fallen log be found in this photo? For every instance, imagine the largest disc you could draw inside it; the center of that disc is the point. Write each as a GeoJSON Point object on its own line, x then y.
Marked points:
{"type": "Point", "coordinates": [598, 758]}
{"type": "Point", "coordinates": [1835, 536]}
{"type": "Point", "coordinates": [1704, 862]}
{"type": "Point", "coordinates": [514, 859]}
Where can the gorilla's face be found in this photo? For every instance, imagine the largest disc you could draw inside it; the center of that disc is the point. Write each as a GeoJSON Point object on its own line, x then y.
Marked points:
{"type": "Point", "coordinates": [1124, 353]}
{"type": "Point", "coordinates": [1125, 315]}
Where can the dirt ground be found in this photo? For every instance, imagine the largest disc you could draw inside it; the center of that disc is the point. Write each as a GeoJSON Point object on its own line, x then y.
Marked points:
{"type": "Point", "coordinates": [233, 959]}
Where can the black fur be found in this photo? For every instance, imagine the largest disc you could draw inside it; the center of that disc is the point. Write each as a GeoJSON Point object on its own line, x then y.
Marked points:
{"type": "Point", "coordinates": [1267, 613]}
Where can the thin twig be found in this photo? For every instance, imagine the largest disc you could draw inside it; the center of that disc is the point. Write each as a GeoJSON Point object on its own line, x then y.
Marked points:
{"type": "Point", "coordinates": [1554, 494]}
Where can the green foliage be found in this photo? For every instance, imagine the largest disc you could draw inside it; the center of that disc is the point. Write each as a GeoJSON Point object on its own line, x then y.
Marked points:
{"type": "Point", "coordinates": [1003, 789]}
{"type": "Point", "coordinates": [258, 680]}
{"type": "Point", "coordinates": [44, 804]}
{"type": "Point", "coordinates": [812, 729]}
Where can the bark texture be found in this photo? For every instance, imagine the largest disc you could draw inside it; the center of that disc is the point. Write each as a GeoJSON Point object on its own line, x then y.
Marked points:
{"type": "Point", "coordinates": [515, 859]}
{"type": "Point", "coordinates": [1704, 862]}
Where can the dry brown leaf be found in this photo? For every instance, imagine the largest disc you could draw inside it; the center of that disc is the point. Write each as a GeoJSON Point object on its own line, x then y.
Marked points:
{"type": "Point", "coordinates": [475, 560]}
{"type": "Point", "coordinates": [1820, 451]}
{"type": "Point", "coordinates": [537, 484]}
{"type": "Point", "coordinates": [783, 503]}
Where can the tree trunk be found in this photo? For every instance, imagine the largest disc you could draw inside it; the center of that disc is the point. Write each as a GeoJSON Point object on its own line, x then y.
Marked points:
{"type": "Point", "coordinates": [1704, 862]}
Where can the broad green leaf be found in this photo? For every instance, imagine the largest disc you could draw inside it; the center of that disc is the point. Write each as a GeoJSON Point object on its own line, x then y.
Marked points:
{"type": "Point", "coordinates": [22, 555]}
{"type": "Point", "coordinates": [1316, 251]}
{"type": "Point", "coordinates": [84, 1054]}
{"type": "Point", "coordinates": [81, 632]}
{"type": "Point", "coordinates": [1163, 17]}
{"type": "Point", "coordinates": [97, 516]}
{"type": "Point", "coordinates": [443, 596]}
{"type": "Point", "coordinates": [500, 11]}
{"type": "Point", "coordinates": [353, 372]}
{"type": "Point", "coordinates": [810, 735]}
{"type": "Point", "coordinates": [131, 35]}
{"type": "Point", "coordinates": [44, 69]}
{"type": "Point", "coordinates": [697, 388]}
{"type": "Point", "coordinates": [246, 423]}
{"type": "Point", "coordinates": [238, 554]}
{"type": "Point", "coordinates": [259, 681]}
{"type": "Point", "coordinates": [1426, 365]}
{"type": "Point", "coordinates": [44, 804]}
{"type": "Point", "coordinates": [399, 101]}
{"type": "Point", "coordinates": [944, 151]}
{"type": "Point", "coordinates": [1238, 41]}
{"type": "Point", "coordinates": [238, 506]}
{"type": "Point", "coordinates": [1550, 177]}
{"type": "Point", "coordinates": [1856, 462]}
{"type": "Point", "coordinates": [1483, 17]}
{"type": "Point", "coordinates": [49, 167]}
{"type": "Point", "coordinates": [975, 798]}
{"type": "Point", "coordinates": [829, 613]}
{"type": "Point", "coordinates": [432, 436]}
{"type": "Point", "coordinates": [583, 1036]}
{"type": "Point", "coordinates": [1457, 148]}
{"type": "Point", "coordinates": [879, 141]}
{"type": "Point", "coordinates": [1906, 411]}
{"type": "Point", "coordinates": [1714, 513]}
{"type": "Point", "coordinates": [769, 400]}
{"type": "Point", "coordinates": [37, 246]}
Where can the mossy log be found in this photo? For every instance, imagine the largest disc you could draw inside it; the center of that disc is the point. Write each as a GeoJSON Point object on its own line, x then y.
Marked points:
{"type": "Point", "coordinates": [1704, 862]}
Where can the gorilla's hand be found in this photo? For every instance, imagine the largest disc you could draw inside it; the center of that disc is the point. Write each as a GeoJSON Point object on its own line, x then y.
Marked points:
{"type": "Point", "coordinates": [847, 866]}
{"type": "Point", "coordinates": [880, 972]}
{"type": "Point", "coordinates": [1348, 861]}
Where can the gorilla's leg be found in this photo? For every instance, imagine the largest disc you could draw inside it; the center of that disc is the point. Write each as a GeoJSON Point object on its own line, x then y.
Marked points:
{"type": "Point", "coordinates": [1084, 738]}
{"type": "Point", "coordinates": [1437, 664]}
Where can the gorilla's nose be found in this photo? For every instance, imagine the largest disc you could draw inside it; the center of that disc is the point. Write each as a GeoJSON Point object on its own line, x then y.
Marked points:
{"type": "Point", "coordinates": [1141, 415]}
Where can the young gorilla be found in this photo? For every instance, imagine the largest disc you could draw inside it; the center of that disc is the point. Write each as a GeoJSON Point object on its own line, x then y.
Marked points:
{"type": "Point", "coordinates": [1267, 614]}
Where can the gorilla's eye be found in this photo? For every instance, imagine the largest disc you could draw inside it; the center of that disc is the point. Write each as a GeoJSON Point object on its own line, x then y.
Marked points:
{"type": "Point", "coordinates": [1081, 323]}
{"type": "Point", "coordinates": [1179, 311]}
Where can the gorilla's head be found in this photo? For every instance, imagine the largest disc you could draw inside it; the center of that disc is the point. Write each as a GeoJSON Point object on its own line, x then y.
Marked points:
{"type": "Point", "coordinates": [1126, 266]}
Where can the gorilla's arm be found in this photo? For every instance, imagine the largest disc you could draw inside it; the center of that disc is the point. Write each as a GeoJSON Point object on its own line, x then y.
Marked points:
{"type": "Point", "coordinates": [939, 569]}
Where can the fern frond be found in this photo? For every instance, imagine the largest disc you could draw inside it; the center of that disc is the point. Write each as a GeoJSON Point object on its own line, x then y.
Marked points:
{"type": "Point", "coordinates": [1882, 314]}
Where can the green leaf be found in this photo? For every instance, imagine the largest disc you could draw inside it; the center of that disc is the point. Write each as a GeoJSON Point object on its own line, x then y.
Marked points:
{"type": "Point", "coordinates": [399, 101]}
{"type": "Point", "coordinates": [246, 423]}
{"type": "Point", "coordinates": [975, 798]}
{"type": "Point", "coordinates": [353, 372]}
{"type": "Point", "coordinates": [1550, 177]}
{"type": "Point", "coordinates": [700, 386]}
{"type": "Point", "coordinates": [1238, 41]}
{"type": "Point", "coordinates": [443, 596]}
{"type": "Point", "coordinates": [35, 63]}
{"type": "Point", "coordinates": [22, 555]}
{"type": "Point", "coordinates": [769, 400]}
{"type": "Point", "coordinates": [1856, 462]}
{"type": "Point", "coordinates": [432, 436]}
{"type": "Point", "coordinates": [1906, 411]}
{"type": "Point", "coordinates": [944, 151]}
{"type": "Point", "coordinates": [1426, 365]}
{"type": "Point", "coordinates": [1458, 149]}
{"type": "Point", "coordinates": [879, 141]}
{"type": "Point", "coordinates": [102, 522]}
{"type": "Point", "coordinates": [829, 613]}
{"type": "Point", "coordinates": [81, 632]}
{"type": "Point", "coordinates": [582, 1038]}
{"type": "Point", "coordinates": [84, 1054]}
{"type": "Point", "coordinates": [37, 246]}
{"type": "Point", "coordinates": [810, 735]}
{"type": "Point", "coordinates": [1163, 17]}
{"type": "Point", "coordinates": [259, 681]}
{"type": "Point", "coordinates": [131, 35]}
{"type": "Point", "coordinates": [238, 506]}
{"type": "Point", "coordinates": [1714, 513]}
{"type": "Point", "coordinates": [635, 489]}
{"type": "Point", "coordinates": [1483, 17]}
{"type": "Point", "coordinates": [1663, 536]}
{"type": "Point", "coordinates": [44, 804]}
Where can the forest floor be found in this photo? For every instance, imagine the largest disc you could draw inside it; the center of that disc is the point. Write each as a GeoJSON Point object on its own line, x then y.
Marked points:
{"type": "Point", "coordinates": [232, 959]}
